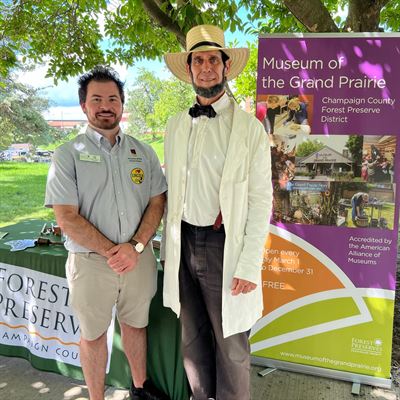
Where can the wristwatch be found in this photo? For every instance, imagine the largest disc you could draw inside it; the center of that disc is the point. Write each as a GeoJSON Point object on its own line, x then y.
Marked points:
{"type": "Point", "coordinates": [139, 247]}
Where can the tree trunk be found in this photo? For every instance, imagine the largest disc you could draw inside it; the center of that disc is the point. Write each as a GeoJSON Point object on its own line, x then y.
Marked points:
{"type": "Point", "coordinates": [312, 14]}
{"type": "Point", "coordinates": [364, 15]}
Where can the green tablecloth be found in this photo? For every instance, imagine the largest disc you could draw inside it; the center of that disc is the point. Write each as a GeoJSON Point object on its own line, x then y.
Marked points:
{"type": "Point", "coordinates": [164, 358]}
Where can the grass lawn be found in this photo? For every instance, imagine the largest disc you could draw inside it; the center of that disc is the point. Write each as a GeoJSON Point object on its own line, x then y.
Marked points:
{"type": "Point", "coordinates": [387, 212]}
{"type": "Point", "coordinates": [156, 142]}
{"type": "Point", "coordinates": [22, 187]}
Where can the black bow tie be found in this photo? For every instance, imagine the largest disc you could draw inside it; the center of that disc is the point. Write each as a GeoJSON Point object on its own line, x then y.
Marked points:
{"type": "Point", "coordinates": [197, 110]}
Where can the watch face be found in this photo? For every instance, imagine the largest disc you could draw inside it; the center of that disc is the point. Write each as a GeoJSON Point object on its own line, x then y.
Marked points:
{"type": "Point", "coordinates": [139, 247]}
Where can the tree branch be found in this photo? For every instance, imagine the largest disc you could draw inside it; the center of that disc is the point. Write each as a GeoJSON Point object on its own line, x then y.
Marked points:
{"type": "Point", "coordinates": [164, 20]}
{"type": "Point", "coordinates": [312, 14]}
{"type": "Point", "coordinates": [364, 15]}
{"type": "Point", "coordinates": [379, 4]}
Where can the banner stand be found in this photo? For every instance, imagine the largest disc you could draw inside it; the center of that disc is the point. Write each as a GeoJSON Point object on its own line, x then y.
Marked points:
{"type": "Point", "coordinates": [323, 372]}
{"type": "Point", "coordinates": [329, 106]}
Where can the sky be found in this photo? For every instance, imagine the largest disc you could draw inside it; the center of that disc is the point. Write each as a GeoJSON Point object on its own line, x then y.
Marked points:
{"type": "Point", "coordinates": [64, 96]}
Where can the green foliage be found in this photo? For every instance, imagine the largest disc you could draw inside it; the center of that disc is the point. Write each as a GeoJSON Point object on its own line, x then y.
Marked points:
{"type": "Point", "coordinates": [308, 147]}
{"type": "Point", "coordinates": [21, 120]}
{"type": "Point", "coordinates": [354, 144]}
{"type": "Point", "coordinates": [6, 133]}
{"type": "Point", "coordinates": [278, 18]}
{"type": "Point", "coordinates": [66, 32]}
{"type": "Point", "coordinates": [63, 139]}
{"type": "Point", "coordinates": [156, 141]}
{"type": "Point", "coordinates": [22, 192]}
{"type": "Point", "coordinates": [174, 97]}
{"type": "Point", "coordinates": [387, 212]}
{"type": "Point", "coordinates": [134, 36]}
{"type": "Point", "coordinates": [329, 209]}
{"type": "Point", "coordinates": [271, 16]}
{"type": "Point", "coordinates": [71, 36]}
{"type": "Point", "coordinates": [142, 99]}
{"type": "Point", "coordinates": [153, 101]}
{"type": "Point", "coordinates": [245, 83]}
{"type": "Point", "coordinates": [69, 33]}
{"type": "Point", "coordinates": [390, 16]}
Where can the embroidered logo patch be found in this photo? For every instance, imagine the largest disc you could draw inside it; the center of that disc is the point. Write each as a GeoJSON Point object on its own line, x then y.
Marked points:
{"type": "Point", "coordinates": [137, 176]}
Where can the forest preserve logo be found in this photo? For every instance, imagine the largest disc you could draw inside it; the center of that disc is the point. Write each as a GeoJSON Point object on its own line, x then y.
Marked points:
{"type": "Point", "coordinates": [35, 314]}
{"type": "Point", "coordinates": [366, 346]}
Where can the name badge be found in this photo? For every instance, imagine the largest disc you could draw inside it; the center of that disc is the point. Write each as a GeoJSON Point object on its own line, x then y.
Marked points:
{"type": "Point", "coordinates": [90, 157]}
{"type": "Point", "coordinates": [135, 159]}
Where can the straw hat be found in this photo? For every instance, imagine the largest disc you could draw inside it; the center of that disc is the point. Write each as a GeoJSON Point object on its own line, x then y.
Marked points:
{"type": "Point", "coordinates": [206, 38]}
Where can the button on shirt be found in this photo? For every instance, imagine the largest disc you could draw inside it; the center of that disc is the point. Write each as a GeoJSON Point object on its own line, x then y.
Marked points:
{"type": "Point", "coordinates": [110, 185]}
{"type": "Point", "coordinates": [207, 148]}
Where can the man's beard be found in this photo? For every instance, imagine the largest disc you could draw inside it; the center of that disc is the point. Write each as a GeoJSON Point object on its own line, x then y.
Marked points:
{"type": "Point", "coordinates": [210, 92]}
{"type": "Point", "coordinates": [106, 124]}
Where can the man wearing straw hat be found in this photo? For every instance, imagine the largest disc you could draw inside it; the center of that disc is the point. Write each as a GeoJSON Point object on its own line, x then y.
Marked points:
{"type": "Point", "coordinates": [217, 163]}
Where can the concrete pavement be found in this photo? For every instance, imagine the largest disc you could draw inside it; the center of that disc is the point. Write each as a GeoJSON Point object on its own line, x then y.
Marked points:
{"type": "Point", "coordinates": [19, 381]}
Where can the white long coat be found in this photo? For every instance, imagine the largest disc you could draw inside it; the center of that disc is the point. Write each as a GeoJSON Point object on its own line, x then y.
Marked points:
{"type": "Point", "coordinates": [245, 198]}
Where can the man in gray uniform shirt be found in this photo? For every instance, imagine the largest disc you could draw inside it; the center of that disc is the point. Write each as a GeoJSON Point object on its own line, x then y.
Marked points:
{"type": "Point", "coordinates": [107, 190]}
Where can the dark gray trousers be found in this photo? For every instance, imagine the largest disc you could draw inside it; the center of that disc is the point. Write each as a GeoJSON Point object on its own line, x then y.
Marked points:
{"type": "Point", "coordinates": [216, 367]}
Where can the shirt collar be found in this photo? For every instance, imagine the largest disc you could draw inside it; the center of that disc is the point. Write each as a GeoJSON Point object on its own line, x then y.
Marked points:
{"type": "Point", "coordinates": [221, 104]}
{"type": "Point", "coordinates": [99, 139]}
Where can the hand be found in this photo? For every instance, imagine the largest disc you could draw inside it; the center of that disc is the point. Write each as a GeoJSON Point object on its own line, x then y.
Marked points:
{"type": "Point", "coordinates": [241, 286]}
{"type": "Point", "coordinates": [122, 258]}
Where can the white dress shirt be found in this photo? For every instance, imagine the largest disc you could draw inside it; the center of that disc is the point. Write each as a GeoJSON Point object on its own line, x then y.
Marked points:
{"type": "Point", "coordinates": [208, 144]}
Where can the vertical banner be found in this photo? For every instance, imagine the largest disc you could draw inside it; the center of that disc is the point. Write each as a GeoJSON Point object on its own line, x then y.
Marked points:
{"type": "Point", "coordinates": [329, 104]}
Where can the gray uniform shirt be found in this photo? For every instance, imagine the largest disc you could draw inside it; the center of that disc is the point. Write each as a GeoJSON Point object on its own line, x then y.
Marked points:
{"type": "Point", "coordinates": [111, 186]}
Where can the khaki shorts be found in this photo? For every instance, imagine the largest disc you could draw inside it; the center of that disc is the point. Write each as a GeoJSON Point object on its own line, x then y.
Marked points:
{"type": "Point", "coordinates": [95, 288]}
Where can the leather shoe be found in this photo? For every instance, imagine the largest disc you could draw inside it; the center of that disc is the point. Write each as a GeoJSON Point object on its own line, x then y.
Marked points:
{"type": "Point", "coordinates": [147, 392]}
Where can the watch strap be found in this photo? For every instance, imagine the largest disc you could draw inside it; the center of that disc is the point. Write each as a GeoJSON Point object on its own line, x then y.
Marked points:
{"type": "Point", "coordinates": [135, 246]}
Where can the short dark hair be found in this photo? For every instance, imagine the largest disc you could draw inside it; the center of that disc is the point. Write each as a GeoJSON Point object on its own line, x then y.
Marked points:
{"type": "Point", "coordinates": [224, 56]}
{"type": "Point", "coordinates": [100, 73]}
